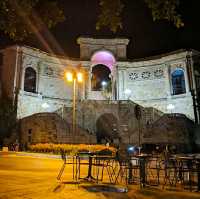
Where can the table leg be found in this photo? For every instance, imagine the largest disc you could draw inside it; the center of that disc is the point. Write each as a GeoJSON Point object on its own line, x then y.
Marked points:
{"type": "Point", "coordinates": [142, 173]}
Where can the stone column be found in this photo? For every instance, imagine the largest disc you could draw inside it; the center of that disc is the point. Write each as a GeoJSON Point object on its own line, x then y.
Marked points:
{"type": "Point", "coordinates": [168, 80]}
{"type": "Point", "coordinates": [187, 87]}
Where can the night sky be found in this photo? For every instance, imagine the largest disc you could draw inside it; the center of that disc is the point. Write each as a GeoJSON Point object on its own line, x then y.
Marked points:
{"type": "Point", "coordinates": [146, 37]}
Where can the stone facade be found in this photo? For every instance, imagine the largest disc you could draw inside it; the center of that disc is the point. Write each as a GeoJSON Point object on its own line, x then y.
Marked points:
{"type": "Point", "coordinates": [154, 77]}
{"type": "Point", "coordinates": [148, 82]}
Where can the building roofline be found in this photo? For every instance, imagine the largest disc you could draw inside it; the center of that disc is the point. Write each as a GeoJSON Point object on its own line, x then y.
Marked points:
{"type": "Point", "coordinates": [159, 56]}
{"type": "Point", "coordinates": [148, 58]}
{"type": "Point", "coordinates": [102, 41]}
{"type": "Point", "coordinates": [41, 51]}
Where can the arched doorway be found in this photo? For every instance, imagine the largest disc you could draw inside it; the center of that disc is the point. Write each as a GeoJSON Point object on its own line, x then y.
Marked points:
{"type": "Point", "coordinates": [101, 78]}
{"type": "Point", "coordinates": [107, 128]}
{"type": "Point", "coordinates": [103, 75]}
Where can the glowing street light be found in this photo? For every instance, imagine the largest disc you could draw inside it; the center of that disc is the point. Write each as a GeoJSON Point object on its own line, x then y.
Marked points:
{"type": "Point", "coordinates": [45, 105]}
{"type": "Point", "coordinates": [170, 107]}
{"type": "Point", "coordinates": [128, 92]}
{"type": "Point", "coordinates": [104, 83]}
{"type": "Point", "coordinates": [74, 76]}
{"type": "Point", "coordinates": [69, 76]}
{"type": "Point", "coordinates": [80, 77]}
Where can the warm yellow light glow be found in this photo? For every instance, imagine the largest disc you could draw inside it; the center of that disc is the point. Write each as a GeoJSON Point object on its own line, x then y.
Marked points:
{"type": "Point", "coordinates": [79, 77]}
{"type": "Point", "coordinates": [69, 76]}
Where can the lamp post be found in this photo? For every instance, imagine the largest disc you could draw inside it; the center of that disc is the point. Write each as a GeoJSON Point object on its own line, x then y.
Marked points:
{"type": "Point", "coordinates": [74, 77]}
{"type": "Point", "coordinates": [138, 115]}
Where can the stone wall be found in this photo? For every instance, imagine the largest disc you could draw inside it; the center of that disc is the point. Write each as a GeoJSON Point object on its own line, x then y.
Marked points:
{"type": "Point", "coordinates": [52, 90]}
{"type": "Point", "coordinates": [118, 124]}
{"type": "Point", "coordinates": [51, 128]}
{"type": "Point", "coordinates": [125, 124]}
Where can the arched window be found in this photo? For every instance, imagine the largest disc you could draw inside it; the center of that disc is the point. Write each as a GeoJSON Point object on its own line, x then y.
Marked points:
{"type": "Point", "coordinates": [178, 82]}
{"type": "Point", "coordinates": [30, 80]}
{"type": "Point", "coordinates": [101, 78]}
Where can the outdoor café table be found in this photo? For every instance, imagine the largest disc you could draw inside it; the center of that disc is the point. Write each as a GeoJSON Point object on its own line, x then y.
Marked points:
{"type": "Point", "coordinates": [142, 163]}
{"type": "Point", "coordinates": [93, 160]}
{"type": "Point", "coordinates": [88, 155]}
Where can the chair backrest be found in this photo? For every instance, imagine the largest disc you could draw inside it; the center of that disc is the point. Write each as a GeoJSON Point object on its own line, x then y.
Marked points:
{"type": "Point", "coordinates": [106, 152]}
{"type": "Point", "coordinates": [122, 156]}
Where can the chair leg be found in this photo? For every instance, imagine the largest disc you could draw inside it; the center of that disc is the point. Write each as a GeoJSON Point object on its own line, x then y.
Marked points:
{"type": "Point", "coordinates": [61, 171]}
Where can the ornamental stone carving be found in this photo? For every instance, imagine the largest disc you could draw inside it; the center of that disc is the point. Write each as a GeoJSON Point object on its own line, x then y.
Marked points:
{"type": "Point", "coordinates": [146, 75]}
{"type": "Point", "coordinates": [159, 73]}
{"type": "Point", "coordinates": [133, 76]}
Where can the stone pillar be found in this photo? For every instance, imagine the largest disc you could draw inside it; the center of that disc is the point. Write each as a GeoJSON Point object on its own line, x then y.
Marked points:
{"type": "Point", "coordinates": [187, 87]}
{"type": "Point", "coordinates": [120, 83]}
{"type": "Point", "coordinates": [168, 80]}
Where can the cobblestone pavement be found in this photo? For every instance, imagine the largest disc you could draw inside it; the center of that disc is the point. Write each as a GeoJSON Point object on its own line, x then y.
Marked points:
{"type": "Point", "coordinates": [26, 177]}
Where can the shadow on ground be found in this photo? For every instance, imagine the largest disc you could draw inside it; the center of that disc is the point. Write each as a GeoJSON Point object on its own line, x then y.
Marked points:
{"type": "Point", "coordinates": [164, 194]}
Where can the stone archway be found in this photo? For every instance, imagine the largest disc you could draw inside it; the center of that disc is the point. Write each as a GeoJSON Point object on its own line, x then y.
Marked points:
{"type": "Point", "coordinates": [100, 78]}
{"type": "Point", "coordinates": [103, 75]}
{"type": "Point", "coordinates": [104, 57]}
{"type": "Point", "coordinates": [107, 128]}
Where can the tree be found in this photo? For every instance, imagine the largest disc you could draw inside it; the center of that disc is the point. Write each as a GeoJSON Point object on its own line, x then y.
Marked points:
{"type": "Point", "coordinates": [20, 18]}
{"type": "Point", "coordinates": [8, 119]}
{"type": "Point", "coordinates": [111, 12]}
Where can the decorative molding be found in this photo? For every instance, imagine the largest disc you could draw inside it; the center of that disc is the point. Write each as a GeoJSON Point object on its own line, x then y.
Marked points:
{"type": "Point", "coordinates": [133, 76]}
{"type": "Point", "coordinates": [146, 75]}
{"type": "Point", "coordinates": [159, 73]}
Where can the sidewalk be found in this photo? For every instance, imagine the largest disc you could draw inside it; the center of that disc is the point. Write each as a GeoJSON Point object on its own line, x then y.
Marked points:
{"type": "Point", "coordinates": [35, 178]}
{"type": "Point", "coordinates": [30, 154]}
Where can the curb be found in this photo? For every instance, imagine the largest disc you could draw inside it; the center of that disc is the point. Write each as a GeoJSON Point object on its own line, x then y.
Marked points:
{"type": "Point", "coordinates": [37, 155]}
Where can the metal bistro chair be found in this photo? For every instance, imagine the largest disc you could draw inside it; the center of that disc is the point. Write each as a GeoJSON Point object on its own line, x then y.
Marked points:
{"type": "Point", "coordinates": [169, 167]}
{"type": "Point", "coordinates": [71, 161]}
{"type": "Point", "coordinates": [186, 171]}
{"type": "Point", "coordinates": [105, 162]}
{"type": "Point", "coordinates": [153, 170]}
{"type": "Point", "coordinates": [125, 170]}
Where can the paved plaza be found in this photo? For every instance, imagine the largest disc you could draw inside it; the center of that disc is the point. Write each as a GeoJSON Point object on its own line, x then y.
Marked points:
{"type": "Point", "coordinates": [27, 176]}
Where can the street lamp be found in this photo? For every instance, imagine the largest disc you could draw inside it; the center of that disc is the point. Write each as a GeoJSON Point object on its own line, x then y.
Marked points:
{"type": "Point", "coordinates": [74, 77]}
{"type": "Point", "coordinates": [127, 93]}
{"type": "Point", "coordinates": [170, 107]}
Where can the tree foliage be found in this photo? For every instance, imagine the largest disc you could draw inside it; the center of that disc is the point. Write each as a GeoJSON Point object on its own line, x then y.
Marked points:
{"type": "Point", "coordinates": [7, 117]}
{"type": "Point", "coordinates": [110, 15]}
{"type": "Point", "coordinates": [111, 12]}
{"type": "Point", "coordinates": [165, 10]}
{"type": "Point", "coordinates": [20, 18]}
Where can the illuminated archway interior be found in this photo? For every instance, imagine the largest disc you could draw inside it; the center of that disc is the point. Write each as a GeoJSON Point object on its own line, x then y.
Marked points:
{"type": "Point", "coordinates": [103, 63]}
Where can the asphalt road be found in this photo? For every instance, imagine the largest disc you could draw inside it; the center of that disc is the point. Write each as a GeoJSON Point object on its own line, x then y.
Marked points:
{"type": "Point", "coordinates": [27, 177]}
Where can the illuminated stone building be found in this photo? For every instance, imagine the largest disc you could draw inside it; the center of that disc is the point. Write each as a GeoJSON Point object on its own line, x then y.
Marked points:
{"type": "Point", "coordinates": [35, 80]}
